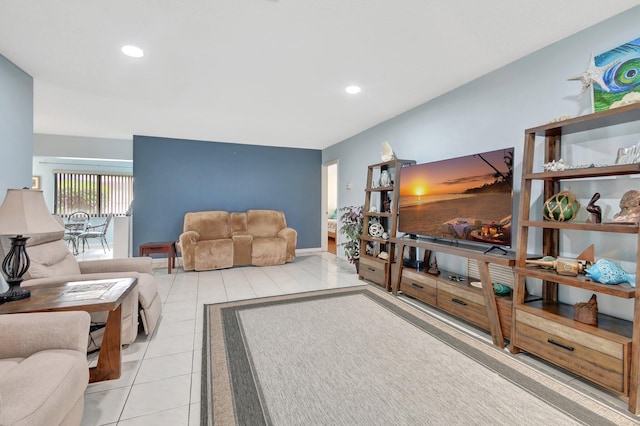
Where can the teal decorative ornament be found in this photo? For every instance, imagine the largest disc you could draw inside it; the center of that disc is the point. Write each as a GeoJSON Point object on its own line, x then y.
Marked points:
{"type": "Point", "coordinates": [501, 289]}
{"type": "Point", "coordinates": [606, 271]}
{"type": "Point", "coordinates": [561, 207]}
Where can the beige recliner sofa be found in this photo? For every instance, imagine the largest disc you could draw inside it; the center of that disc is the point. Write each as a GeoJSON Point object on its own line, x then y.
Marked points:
{"type": "Point", "coordinates": [52, 263]}
{"type": "Point", "coordinates": [219, 239]}
{"type": "Point", "coordinates": [43, 368]}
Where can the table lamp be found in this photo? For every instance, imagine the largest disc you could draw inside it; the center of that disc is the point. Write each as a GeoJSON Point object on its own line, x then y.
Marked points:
{"type": "Point", "coordinates": [23, 213]}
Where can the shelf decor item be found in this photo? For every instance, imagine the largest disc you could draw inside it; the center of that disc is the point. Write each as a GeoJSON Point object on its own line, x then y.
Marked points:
{"type": "Point", "coordinates": [352, 219]}
{"type": "Point", "coordinates": [387, 152]}
{"type": "Point", "coordinates": [385, 178]}
{"type": "Point", "coordinates": [629, 208]}
{"type": "Point", "coordinates": [595, 211]}
{"type": "Point", "coordinates": [629, 155]}
{"type": "Point", "coordinates": [433, 267]}
{"type": "Point", "coordinates": [501, 289]}
{"type": "Point", "coordinates": [606, 271]}
{"type": "Point", "coordinates": [376, 230]}
{"type": "Point", "coordinates": [568, 267]}
{"type": "Point", "coordinates": [587, 312]}
{"type": "Point", "coordinates": [561, 207]}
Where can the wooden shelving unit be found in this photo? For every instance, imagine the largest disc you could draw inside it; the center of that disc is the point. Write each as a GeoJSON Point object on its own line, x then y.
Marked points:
{"type": "Point", "coordinates": [607, 354]}
{"type": "Point", "coordinates": [380, 206]}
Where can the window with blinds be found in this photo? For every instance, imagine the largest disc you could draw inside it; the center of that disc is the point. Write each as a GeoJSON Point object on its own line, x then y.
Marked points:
{"type": "Point", "coordinates": [95, 194]}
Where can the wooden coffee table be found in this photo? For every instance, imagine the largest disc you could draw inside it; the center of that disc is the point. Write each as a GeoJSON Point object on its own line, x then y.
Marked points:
{"type": "Point", "coordinates": [89, 296]}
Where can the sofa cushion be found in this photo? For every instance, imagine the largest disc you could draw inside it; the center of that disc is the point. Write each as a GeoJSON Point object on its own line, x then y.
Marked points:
{"type": "Point", "coordinates": [211, 225]}
{"type": "Point", "coordinates": [51, 259]}
{"type": "Point", "coordinates": [213, 254]}
{"type": "Point", "coordinates": [268, 251]}
{"type": "Point", "coordinates": [265, 223]}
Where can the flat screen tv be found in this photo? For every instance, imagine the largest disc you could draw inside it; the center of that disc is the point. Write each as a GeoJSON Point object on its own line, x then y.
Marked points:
{"type": "Point", "coordinates": [465, 198]}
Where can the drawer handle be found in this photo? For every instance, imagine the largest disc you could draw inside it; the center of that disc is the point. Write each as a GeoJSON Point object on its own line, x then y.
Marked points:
{"type": "Point", "coordinates": [416, 286]}
{"type": "Point", "coordinates": [459, 302]}
{"type": "Point", "coordinates": [371, 269]}
{"type": "Point", "coordinates": [553, 342]}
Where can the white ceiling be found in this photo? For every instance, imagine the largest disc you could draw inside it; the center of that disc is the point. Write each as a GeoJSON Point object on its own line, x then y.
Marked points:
{"type": "Point", "coordinates": [266, 72]}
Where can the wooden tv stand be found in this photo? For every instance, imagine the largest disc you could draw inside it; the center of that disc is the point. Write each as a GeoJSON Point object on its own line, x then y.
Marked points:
{"type": "Point", "coordinates": [456, 296]}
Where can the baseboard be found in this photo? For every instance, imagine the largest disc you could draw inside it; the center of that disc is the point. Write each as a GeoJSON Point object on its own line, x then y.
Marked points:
{"type": "Point", "coordinates": [308, 250]}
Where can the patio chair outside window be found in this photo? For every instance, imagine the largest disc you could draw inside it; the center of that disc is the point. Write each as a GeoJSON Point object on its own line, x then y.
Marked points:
{"type": "Point", "coordinates": [98, 232]}
{"type": "Point", "coordinates": [75, 225]}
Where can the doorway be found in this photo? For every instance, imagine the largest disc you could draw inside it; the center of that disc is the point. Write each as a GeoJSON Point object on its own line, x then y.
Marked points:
{"type": "Point", "coordinates": [330, 207]}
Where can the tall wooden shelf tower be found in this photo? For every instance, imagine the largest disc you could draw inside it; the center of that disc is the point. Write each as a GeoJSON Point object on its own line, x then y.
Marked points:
{"type": "Point", "coordinates": [382, 195]}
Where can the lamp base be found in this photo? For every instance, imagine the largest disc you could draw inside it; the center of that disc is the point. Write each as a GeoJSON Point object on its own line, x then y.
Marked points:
{"type": "Point", "coordinates": [14, 293]}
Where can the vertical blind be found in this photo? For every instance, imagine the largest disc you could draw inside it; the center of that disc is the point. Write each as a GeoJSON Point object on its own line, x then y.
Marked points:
{"type": "Point", "coordinates": [95, 194]}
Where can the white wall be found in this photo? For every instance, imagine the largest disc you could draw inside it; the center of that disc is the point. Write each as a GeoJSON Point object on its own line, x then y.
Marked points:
{"type": "Point", "coordinates": [82, 147]}
{"type": "Point", "coordinates": [492, 112]}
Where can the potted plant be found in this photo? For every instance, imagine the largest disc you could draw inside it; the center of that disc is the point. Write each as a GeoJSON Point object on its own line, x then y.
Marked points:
{"type": "Point", "coordinates": [351, 223]}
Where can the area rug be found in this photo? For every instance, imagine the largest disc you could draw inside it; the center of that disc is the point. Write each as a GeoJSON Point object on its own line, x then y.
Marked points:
{"type": "Point", "coordinates": [359, 356]}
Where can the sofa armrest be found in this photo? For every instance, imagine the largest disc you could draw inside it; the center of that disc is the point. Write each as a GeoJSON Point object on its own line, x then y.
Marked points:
{"type": "Point", "coordinates": [189, 237]}
{"type": "Point", "coordinates": [188, 241]}
{"type": "Point", "coordinates": [291, 235]}
{"type": "Point", "coordinates": [288, 233]}
{"type": "Point", "coordinates": [34, 332]}
{"type": "Point", "coordinates": [143, 265]}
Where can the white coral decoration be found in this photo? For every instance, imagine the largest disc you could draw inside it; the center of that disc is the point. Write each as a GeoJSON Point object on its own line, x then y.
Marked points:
{"type": "Point", "coordinates": [387, 152]}
{"type": "Point", "coordinates": [554, 166]}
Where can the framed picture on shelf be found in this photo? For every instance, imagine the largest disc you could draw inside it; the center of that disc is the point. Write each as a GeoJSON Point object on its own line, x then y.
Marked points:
{"type": "Point", "coordinates": [35, 182]}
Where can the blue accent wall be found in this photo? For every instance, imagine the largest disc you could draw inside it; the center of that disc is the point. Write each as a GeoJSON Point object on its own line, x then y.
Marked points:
{"type": "Point", "coordinates": [175, 176]}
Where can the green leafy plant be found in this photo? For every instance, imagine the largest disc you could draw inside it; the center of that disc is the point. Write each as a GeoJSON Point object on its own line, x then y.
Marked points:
{"type": "Point", "coordinates": [351, 223]}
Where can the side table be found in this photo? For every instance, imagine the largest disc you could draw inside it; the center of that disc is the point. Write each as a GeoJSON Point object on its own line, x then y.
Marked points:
{"type": "Point", "coordinates": [89, 296]}
{"type": "Point", "coordinates": [166, 247]}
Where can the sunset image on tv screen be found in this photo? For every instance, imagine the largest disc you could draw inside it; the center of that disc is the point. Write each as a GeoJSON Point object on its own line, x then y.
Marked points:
{"type": "Point", "coordinates": [466, 198]}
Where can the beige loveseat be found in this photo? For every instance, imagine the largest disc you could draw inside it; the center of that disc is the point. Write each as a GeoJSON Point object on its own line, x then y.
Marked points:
{"type": "Point", "coordinates": [43, 368]}
{"type": "Point", "coordinates": [52, 263]}
{"type": "Point", "coordinates": [219, 239]}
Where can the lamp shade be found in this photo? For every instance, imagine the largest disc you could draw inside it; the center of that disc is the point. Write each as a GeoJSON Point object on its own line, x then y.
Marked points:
{"type": "Point", "coordinates": [24, 212]}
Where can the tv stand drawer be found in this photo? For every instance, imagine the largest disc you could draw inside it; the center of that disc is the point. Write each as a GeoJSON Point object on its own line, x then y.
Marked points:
{"type": "Point", "coordinates": [595, 357]}
{"type": "Point", "coordinates": [419, 285]}
{"type": "Point", "coordinates": [461, 301]}
{"type": "Point", "coordinates": [372, 270]}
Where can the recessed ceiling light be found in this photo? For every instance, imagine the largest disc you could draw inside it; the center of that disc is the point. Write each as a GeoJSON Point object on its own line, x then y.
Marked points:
{"type": "Point", "coordinates": [133, 51]}
{"type": "Point", "coordinates": [353, 90]}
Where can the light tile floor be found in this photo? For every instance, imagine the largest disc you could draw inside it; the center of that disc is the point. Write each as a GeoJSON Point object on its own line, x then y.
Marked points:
{"type": "Point", "coordinates": [160, 383]}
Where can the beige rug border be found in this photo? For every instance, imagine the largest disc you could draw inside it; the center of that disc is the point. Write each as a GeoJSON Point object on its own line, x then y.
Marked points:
{"type": "Point", "coordinates": [223, 406]}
